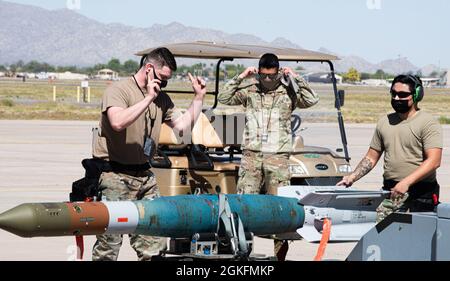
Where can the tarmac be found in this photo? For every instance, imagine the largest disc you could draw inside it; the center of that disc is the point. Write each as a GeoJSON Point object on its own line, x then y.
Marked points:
{"type": "Point", "coordinates": [39, 160]}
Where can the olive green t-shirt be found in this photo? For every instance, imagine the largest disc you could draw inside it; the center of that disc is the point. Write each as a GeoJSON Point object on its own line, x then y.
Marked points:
{"type": "Point", "coordinates": [404, 143]}
{"type": "Point", "coordinates": [127, 147]}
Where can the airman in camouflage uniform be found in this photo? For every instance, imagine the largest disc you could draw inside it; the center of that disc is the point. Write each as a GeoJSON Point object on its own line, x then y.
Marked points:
{"type": "Point", "coordinates": [133, 111]}
{"type": "Point", "coordinates": [267, 141]}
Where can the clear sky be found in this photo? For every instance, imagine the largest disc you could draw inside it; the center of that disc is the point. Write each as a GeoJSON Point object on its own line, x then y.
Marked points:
{"type": "Point", "coordinates": [373, 29]}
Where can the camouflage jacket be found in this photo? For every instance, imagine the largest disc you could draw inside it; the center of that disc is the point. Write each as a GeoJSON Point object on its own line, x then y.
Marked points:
{"type": "Point", "coordinates": [268, 116]}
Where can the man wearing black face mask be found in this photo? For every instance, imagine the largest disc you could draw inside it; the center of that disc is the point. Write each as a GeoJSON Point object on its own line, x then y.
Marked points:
{"type": "Point", "coordinates": [133, 111]}
{"type": "Point", "coordinates": [267, 140]}
{"type": "Point", "coordinates": [412, 144]}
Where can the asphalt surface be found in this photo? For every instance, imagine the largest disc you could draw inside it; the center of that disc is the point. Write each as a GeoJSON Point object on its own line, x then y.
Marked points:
{"type": "Point", "coordinates": [40, 159]}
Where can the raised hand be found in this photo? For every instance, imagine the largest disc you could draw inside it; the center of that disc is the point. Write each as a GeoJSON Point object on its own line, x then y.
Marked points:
{"type": "Point", "coordinates": [153, 85]}
{"type": "Point", "coordinates": [198, 84]}
{"type": "Point", "coordinates": [287, 70]}
{"type": "Point", "coordinates": [248, 72]}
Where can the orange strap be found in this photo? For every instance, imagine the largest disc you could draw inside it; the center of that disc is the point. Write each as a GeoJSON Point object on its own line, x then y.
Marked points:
{"type": "Point", "coordinates": [80, 246]}
{"type": "Point", "coordinates": [79, 238]}
{"type": "Point", "coordinates": [324, 240]}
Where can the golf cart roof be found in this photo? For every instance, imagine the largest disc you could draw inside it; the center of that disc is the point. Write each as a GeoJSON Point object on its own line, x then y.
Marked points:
{"type": "Point", "coordinates": [211, 50]}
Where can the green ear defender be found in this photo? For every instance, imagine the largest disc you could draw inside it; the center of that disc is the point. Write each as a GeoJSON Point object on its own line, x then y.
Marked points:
{"type": "Point", "coordinates": [418, 89]}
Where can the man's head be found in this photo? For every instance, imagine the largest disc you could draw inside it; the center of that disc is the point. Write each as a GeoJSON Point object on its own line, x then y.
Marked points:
{"type": "Point", "coordinates": [269, 63]}
{"type": "Point", "coordinates": [269, 77]}
{"type": "Point", "coordinates": [161, 63]}
{"type": "Point", "coordinates": [406, 90]}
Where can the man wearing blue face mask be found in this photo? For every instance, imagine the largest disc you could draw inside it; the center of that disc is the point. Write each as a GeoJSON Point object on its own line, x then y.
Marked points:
{"type": "Point", "coordinates": [267, 143]}
{"type": "Point", "coordinates": [412, 142]}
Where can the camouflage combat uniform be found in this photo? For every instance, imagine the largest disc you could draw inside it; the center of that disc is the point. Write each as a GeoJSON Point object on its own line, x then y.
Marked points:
{"type": "Point", "coordinates": [389, 206]}
{"type": "Point", "coordinates": [257, 168]}
{"type": "Point", "coordinates": [267, 141]}
{"type": "Point", "coordinates": [127, 185]}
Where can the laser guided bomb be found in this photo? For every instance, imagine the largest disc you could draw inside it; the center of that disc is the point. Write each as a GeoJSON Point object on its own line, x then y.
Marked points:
{"type": "Point", "coordinates": [199, 224]}
{"type": "Point", "coordinates": [351, 211]}
{"type": "Point", "coordinates": [175, 216]}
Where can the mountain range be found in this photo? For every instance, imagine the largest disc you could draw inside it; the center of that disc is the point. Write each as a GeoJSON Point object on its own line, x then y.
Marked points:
{"type": "Point", "coordinates": [65, 37]}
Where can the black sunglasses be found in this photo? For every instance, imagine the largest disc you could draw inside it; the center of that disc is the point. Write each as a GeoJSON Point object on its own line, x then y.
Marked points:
{"type": "Point", "coordinates": [271, 76]}
{"type": "Point", "coordinates": [401, 95]}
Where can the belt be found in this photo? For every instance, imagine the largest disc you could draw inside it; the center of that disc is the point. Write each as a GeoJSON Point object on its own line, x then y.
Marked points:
{"type": "Point", "coordinates": [118, 167]}
{"type": "Point", "coordinates": [424, 190]}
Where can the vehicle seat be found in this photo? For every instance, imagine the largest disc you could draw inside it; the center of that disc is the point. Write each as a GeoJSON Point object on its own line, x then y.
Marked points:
{"type": "Point", "coordinates": [210, 135]}
{"type": "Point", "coordinates": [204, 133]}
{"type": "Point", "coordinates": [167, 136]}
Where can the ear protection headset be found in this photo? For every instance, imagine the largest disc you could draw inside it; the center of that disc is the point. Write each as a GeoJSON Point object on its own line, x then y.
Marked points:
{"type": "Point", "coordinates": [418, 91]}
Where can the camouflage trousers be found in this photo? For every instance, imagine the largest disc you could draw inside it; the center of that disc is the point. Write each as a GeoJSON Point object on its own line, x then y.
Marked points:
{"type": "Point", "coordinates": [262, 174]}
{"type": "Point", "coordinates": [390, 205]}
{"type": "Point", "coordinates": [122, 187]}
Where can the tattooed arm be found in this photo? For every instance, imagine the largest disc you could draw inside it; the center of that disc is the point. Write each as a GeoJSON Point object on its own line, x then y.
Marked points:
{"type": "Point", "coordinates": [363, 168]}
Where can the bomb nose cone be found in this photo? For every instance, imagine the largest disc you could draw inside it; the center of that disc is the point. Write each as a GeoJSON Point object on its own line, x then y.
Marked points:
{"type": "Point", "coordinates": [19, 220]}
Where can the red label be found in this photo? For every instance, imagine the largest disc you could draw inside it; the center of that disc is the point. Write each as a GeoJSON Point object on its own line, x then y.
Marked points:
{"type": "Point", "coordinates": [122, 220]}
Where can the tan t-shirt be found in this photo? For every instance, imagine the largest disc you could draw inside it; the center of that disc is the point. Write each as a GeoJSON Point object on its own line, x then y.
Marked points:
{"type": "Point", "coordinates": [404, 143]}
{"type": "Point", "coordinates": [127, 146]}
